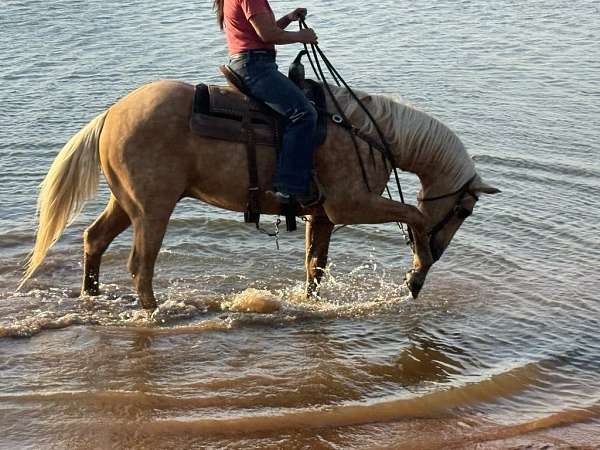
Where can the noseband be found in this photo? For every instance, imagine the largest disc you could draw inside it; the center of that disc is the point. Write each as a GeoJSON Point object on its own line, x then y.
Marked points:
{"type": "Point", "coordinates": [457, 210]}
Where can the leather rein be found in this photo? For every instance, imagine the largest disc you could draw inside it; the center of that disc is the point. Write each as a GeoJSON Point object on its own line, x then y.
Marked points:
{"type": "Point", "coordinates": [341, 120]}
{"type": "Point", "coordinates": [382, 146]}
{"type": "Point", "coordinates": [457, 210]}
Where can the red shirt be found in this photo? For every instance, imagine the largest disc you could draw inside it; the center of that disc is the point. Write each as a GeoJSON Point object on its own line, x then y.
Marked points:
{"type": "Point", "coordinates": [239, 31]}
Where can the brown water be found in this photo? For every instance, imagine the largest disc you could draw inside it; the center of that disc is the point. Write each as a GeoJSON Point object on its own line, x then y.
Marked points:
{"type": "Point", "coordinates": [500, 351]}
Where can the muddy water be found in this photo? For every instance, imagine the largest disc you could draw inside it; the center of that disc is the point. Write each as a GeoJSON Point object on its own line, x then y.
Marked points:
{"type": "Point", "coordinates": [500, 351]}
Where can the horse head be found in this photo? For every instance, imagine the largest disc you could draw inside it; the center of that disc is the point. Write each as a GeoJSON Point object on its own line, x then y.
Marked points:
{"type": "Point", "coordinates": [445, 215]}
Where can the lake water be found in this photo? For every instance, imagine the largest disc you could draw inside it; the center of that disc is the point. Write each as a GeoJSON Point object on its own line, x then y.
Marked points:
{"type": "Point", "coordinates": [501, 349]}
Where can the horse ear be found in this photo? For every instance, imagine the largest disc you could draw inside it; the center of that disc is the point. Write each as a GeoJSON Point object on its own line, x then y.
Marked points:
{"type": "Point", "coordinates": [479, 187]}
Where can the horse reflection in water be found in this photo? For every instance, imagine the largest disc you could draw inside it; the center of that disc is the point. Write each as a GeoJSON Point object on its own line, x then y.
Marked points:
{"type": "Point", "coordinates": [151, 160]}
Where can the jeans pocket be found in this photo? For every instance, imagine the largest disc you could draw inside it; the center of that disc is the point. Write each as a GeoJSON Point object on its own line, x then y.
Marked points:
{"type": "Point", "coordinates": [239, 66]}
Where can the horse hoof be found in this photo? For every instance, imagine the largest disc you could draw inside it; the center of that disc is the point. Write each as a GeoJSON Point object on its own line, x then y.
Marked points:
{"type": "Point", "coordinates": [152, 314]}
{"type": "Point", "coordinates": [311, 291]}
{"type": "Point", "coordinates": [90, 293]}
{"type": "Point", "coordinates": [91, 290]}
{"type": "Point", "coordinates": [148, 305]}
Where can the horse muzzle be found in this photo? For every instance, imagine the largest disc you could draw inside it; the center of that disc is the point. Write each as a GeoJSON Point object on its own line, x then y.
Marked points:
{"type": "Point", "coordinates": [414, 281]}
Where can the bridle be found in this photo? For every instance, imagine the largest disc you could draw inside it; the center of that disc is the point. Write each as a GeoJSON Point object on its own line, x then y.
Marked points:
{"type": "Point", "coordinates": [383, 146]}
{"type": "Point", "coordinates": [341, 119]}
{"type": "Point", "coordinates": [457, 210]}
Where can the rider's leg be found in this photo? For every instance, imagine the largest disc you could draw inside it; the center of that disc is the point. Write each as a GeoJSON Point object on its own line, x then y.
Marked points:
{"type": "Point", "coordinates": [265, 82]}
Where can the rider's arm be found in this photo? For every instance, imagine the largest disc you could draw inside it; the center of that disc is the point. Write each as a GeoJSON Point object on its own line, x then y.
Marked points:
{"type": "Point", "coordinates": [297, 14]}
{"type": "Point", "coordinates": [284, 22]}
{"type": "Point", "coordinates": [268, 30]}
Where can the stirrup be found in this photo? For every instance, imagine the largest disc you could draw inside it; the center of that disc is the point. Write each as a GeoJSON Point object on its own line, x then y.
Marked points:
{"type": "Point", "coordinates": [288, 207]}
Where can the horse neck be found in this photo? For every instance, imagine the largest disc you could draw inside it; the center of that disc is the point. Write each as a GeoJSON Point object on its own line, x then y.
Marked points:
{"type": "Point", "coordinates": [421, 144]}
{"type": "Point", "coordinates": [425, 146]}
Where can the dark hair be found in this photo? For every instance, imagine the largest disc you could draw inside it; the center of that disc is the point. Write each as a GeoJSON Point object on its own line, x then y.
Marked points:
{"type": "Point", "coordinates": [218, 8]}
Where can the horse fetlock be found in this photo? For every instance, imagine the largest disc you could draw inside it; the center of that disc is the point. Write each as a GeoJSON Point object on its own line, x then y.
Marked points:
{"type": "Point", "coordinates": [422, 261]}
{"type": "Point", "coordinates": [91, 276]}
{"type": "Point", "coordinates": [148, 303]}
{"type": "Point", "coordinates": [91, 286]}
{"type": "Point", "coordinates": [313, 269]}
{"type": "Point", "coordinates": [312, 289]}
{"type": "Point", "coordinates": [422, 257]}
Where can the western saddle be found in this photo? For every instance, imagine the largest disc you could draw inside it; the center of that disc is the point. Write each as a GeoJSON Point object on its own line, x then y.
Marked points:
{"type": "Point", "coordinates": [231, 113]}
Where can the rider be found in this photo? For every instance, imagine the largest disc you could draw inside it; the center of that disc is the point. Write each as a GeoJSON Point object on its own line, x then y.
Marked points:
{"type": "Point", "coordinates": [252, 33]}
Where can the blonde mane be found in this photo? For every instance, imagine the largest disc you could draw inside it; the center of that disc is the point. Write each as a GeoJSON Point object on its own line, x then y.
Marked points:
{"type": "Point", "coordinates": [421, 143]}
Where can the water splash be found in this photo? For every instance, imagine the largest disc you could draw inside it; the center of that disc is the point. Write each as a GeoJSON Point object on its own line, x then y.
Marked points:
{"type": "Point", "coordinates": [363, 292]}
{"type": "Point", "coordinates": [253, 300]}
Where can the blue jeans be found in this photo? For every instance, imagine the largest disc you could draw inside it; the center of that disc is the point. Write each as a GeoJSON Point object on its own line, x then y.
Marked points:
{"type": "Point", "coordinates": [266, 83]}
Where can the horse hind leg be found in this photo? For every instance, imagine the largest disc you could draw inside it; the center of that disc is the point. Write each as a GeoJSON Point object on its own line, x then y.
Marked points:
{"type": "Point", "coordinates": [318, 235]}
{"type": "Point", "coordinates": [148, 234]}
{"type": "Point", "coordinates": [96, 239]}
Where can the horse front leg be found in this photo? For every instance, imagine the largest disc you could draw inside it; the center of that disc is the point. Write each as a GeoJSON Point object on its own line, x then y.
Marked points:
{"type": "Point", "coordinates": [376, 209]}
{"type": "Point", "coordinates": [422, 262]}
{"type": "Point", "coordinates": [318, 235]}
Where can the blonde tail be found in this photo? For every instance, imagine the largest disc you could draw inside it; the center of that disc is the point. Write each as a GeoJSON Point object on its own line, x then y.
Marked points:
{"type": "Point", "coordinates": [71, 181]}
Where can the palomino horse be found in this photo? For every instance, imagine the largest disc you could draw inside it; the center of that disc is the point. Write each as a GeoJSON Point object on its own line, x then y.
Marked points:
{"type": "Point", "coordinates": [151, 160]}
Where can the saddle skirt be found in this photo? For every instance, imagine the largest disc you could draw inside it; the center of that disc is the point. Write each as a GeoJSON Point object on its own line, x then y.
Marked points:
{"type": "Point", "coordinates": [223, 112]}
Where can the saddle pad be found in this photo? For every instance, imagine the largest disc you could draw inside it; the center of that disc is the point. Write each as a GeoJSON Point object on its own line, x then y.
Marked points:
{"type": "Point", "coordinates": [218, 112]}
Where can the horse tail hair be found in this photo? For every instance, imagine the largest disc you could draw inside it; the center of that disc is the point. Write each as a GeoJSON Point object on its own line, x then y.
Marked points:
{"type": "Point", "coordinates": [71, 181]}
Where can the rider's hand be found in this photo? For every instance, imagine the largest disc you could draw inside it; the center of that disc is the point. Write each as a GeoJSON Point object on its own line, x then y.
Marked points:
{"type": "Point", "coordinates": [307, 36]}
{"type": "Point", "coordinates": [297, 14]}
